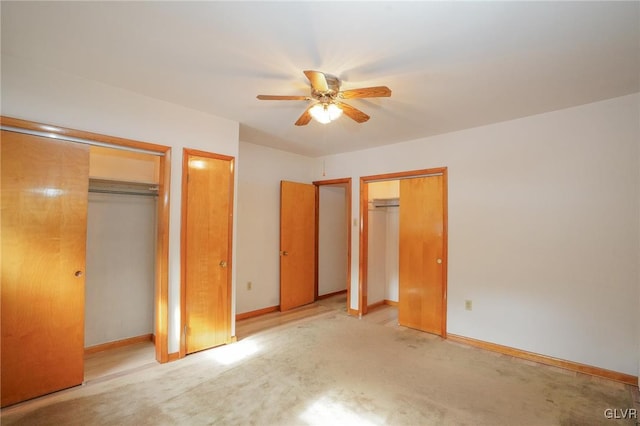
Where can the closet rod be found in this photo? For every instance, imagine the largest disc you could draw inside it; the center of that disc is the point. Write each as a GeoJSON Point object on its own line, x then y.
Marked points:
{"type": "Point", "coordinates": [107, 191]}
{"type": "Point", "coordinates": [78, 140]}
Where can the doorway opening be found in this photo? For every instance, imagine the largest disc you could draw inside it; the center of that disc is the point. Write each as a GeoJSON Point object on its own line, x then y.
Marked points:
{"type": "Point", "coordinates": [333, 239]}
{"type": "Point", "coordinates": [68, 159]}
{"type": "Point", "coordinates": [383, 208]}
{"type": "Point", "coordinates": [407, 210]}
{"type": "Point", "coordinates": [120, 261]}
{"type": "Point", "coordinates": [161, 167]}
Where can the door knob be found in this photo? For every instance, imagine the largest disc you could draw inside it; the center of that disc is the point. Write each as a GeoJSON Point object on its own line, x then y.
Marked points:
{"type": "Point", "coordinates": [284, 253]}
{"type": "Point", "coordinates": [77, 273]}
{"type": "Point", "coordinates": [438, 261]}
{"type": "Point", "coordinates": [223, 264]}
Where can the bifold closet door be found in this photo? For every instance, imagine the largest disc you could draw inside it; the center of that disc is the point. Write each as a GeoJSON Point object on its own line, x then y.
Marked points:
{"type": "Point", "coordinates": [44, 216]}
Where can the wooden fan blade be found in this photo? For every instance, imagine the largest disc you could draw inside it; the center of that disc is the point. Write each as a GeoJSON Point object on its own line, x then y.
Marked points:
{"type": "Point", "coordinates": [366, 92]}
{"type": "Point", "coordinates": [282, 98]}
{"type": "Point", "coordinates": [305, 118]}
{"type": "Point", "coordinates": [353, 113]}
{"type": "Point", "coordinates": [318, 81]}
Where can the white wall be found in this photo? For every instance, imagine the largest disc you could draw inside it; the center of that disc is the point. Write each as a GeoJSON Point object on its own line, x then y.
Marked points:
{"type": "Point", "coordinates": [120, 270]}
{"type": "Point", "coordinates": [377, 253]}
{"type": "Point", "coordinates": [543, 228]}
{"type": "Point", "coordinates": [332, 239]}
{"type": "Point", "coordinates": [260, 171]}
{"type": "Point", "coordinates": [48, 96]}
{"type": "Point", "coordinates": [383, 254]}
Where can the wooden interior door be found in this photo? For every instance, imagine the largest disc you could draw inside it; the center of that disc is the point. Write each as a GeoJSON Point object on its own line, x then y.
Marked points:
{"type": "Point", "coordinates": [44, 214]}
{"type": "Point", "coordinates": [297, 244]}
{"type": "Point", "coordinates": [207, 226]}
{"type": "Point", "coordinates": [422, 260]}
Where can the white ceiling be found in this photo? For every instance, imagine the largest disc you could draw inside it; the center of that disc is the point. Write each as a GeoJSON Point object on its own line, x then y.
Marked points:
{"type": "Point", "coordinates": [450, 65]}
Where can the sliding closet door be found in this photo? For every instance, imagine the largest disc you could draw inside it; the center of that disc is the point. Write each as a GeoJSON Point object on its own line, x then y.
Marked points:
{"type": "Point", "coordinates": [44, 213]}
{"type": "Point", "coordinates": [422, 250]}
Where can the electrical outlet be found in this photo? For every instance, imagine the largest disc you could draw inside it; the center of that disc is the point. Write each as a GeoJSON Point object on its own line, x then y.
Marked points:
{"type": "Point", "coordinates": [249, 285]}
{"type": "Point", "coordinates": [468, 305]}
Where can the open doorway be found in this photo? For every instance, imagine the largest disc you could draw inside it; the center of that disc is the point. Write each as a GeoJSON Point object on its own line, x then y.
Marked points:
{"type": "Point", "coordinates": [383, 208]}
{"type": "Point", "coordinates": [420, 198]}
{"type": "Point", "coordinates": [68, 157]}
{"type": "Point", "coordinates": [333, 239]}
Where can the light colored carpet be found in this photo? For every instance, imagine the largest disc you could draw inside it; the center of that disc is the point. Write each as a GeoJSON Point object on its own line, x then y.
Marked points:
{"type": "Point", "coordinates": [335, 369]}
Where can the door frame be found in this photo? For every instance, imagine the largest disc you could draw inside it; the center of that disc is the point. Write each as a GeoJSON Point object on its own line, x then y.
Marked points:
{"type": "Point", "coordinates": [186, 154]}
{"type": "Point", "coordinates": [161, 291]}
{"type": "Point", "coordinates": [346, 184]}
{"type": "Point", "coordinates": [364, 233]}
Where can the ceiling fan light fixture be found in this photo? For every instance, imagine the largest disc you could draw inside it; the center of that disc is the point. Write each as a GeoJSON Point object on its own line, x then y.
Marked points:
{"type": "Point", "coordinates": [320, 113]}
{"type": "Point", "coordinates": [327, 99]}
{"type": "Point", "coordinates": [334, 111]}
{"type": "Point", "coordinates": [325, 112]}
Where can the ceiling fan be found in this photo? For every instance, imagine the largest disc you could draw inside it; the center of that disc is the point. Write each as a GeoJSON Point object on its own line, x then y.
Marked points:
{"type": "Point", "coordinates": [326, 94]}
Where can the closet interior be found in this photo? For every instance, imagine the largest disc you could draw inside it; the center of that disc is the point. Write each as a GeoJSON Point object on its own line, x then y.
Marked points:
{"type": "Point", "coordinates": [383, 242]}
{"type": "Point", "coordinates": [120, 261]}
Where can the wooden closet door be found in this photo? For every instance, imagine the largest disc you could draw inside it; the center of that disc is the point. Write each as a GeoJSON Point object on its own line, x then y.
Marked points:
{"type": "Point", "coordinates": [207, 250]}
{"type": "Point", "coordinates": [44, 215]}
{"type": "Point", "coordinates": [421, 262]}
{"type": "Point", "coordinates": [297, 244]}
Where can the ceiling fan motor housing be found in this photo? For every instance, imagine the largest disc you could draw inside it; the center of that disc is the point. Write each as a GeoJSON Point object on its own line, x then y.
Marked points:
{"type": "Point", "coordinates": [333, 84]}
